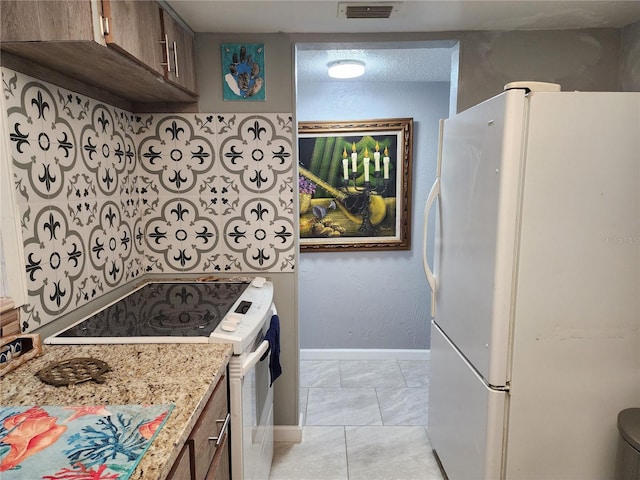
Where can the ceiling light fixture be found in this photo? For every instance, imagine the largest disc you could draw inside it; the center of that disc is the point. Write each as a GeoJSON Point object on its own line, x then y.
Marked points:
{"type": "Point", "coordinates": [346, 69]}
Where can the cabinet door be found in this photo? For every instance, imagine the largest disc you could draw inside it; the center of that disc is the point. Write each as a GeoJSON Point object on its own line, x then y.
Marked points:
{"type": "Point", "coordinates": [26, 21]}
{"type": "Point", "coordinates": [220, 467]}
{"type": "Point", "coordinates": [180, 58]}
{"type": "Point", "coordinates": [207, 457]}
{"type": "Point", "coordinates": [135, 30]}
{"type": "Point", "coordinates": [182, 468]}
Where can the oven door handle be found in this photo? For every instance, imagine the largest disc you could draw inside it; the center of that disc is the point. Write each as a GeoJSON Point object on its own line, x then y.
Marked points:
{"type": "Point", "coordinates": [254, 357]}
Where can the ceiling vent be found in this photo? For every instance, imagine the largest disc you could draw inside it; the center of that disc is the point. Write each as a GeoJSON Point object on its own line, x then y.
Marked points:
{"type": "Point", "coordinates": [367, 10]}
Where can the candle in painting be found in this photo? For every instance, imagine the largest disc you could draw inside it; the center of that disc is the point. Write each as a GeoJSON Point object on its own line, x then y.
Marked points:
{"type": "Point", "coordinates": [366, 165]}
{"type": "Point", "coordinates": [385, 163]}
{"type": "Point", "coordinates": [354, 158]}
{"type": "Point", "coordinates": [376, 158]}
{"type": "Point", "coordinates": [345, 164]}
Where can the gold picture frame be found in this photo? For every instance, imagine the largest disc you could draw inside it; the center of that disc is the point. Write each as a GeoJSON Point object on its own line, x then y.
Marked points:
{"type": "Point", "coordinates": [354, 185]}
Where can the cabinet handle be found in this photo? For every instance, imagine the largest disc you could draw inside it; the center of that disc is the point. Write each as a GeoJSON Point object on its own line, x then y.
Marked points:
{"type": "Point", "coordinates": [166, 51]}
{"type": "Point", "coordinates": [175, 59]}
{"type": "Point", "coordinates": [220, 436]}
{"type": "Point", "coordinates": [104, 25]}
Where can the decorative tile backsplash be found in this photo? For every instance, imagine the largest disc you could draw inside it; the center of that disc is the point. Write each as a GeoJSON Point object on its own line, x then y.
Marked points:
{"type": "Point", "coordinates": [106, 196]}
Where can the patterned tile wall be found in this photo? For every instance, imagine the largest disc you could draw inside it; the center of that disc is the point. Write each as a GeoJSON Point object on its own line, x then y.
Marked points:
{"type": "Point", "coordinates": [106, 196]}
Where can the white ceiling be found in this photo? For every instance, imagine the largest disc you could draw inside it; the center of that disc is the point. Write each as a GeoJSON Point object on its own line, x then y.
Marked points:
{"type": "Point", "coordinates": [385, 61]}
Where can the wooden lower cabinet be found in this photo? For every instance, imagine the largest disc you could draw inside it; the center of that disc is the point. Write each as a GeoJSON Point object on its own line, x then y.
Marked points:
{"type": "Point", "coordinates": [182, 468]}
{"type": "Point", "coordinates": [205, 455]}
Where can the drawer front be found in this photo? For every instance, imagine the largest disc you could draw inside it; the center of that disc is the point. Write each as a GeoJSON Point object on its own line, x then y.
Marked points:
{"type": "Point", "coordinates": [208, 428]}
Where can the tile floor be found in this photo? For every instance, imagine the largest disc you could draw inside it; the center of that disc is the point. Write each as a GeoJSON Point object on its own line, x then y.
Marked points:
{"type": "Point", "coordinates": [363, 420]}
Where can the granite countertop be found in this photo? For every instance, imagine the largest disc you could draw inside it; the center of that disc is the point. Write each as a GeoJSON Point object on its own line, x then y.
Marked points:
{"type": "Point", "coordinates": [182, 374]}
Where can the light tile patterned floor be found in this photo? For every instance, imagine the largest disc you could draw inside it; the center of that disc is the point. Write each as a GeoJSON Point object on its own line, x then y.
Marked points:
{"type": "Point", "coordinates": [363, 420]}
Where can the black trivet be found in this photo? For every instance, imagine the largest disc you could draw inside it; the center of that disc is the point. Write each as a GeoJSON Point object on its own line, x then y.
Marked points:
{"type": "Point", "coordinates": [72, 371]}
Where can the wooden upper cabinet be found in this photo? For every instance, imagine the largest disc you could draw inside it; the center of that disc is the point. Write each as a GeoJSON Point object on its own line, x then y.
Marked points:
{"type": "Point", "coordinates": [28, 21]}
{"type": "Point", "coordinates": [134, 28]}
{"type": "Point", "coordinates": [179, 54]}
{"type": "Point", "coordinates": [114, 45]}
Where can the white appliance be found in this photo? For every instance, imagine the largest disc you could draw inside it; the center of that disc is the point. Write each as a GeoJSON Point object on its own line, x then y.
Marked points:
{"type": "Point", "coordinates": [251, 395]}
{"type": "Point", "coordinates": [234, 312]}
{"type": "Point", "coordinates": [535, 341]}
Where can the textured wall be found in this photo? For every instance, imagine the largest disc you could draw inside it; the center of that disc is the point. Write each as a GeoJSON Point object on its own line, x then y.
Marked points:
{"type": "Point", "coordinates": [585, 60]}
{"type": "Point", "coordinates": [630, 54]}
{"type": "Point", "coordinates": [372, 299]}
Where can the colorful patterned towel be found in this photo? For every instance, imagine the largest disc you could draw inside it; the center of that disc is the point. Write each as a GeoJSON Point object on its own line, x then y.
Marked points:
{"type": "Point", "coordinates": [104, 442]}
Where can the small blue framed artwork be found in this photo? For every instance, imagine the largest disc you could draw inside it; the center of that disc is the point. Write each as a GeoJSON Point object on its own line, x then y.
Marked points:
{"type": "Point", "coordinates": [243, 71]}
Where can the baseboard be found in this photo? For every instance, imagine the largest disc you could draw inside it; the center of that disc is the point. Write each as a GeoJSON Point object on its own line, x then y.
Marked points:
{"type": "Point", "coordinates": [363, 354]}
{"type": "Point", "coordinates": [288, 433]}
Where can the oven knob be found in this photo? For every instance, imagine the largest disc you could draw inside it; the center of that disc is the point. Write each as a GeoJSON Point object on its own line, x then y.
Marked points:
{"type": "Point", "coordinates": [258, 282]}
{"type": "Point", "coordinates": [233, 317]}
{"type": "Point", "coordinates": [228, 326]}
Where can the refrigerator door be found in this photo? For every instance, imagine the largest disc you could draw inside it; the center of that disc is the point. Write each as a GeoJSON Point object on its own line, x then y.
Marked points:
{"type": "Point", "coordinates": [466, 418]}
{"type": "Point", "coordinates": [476, 233]}
{"type": "Point", "coordinates": [576, 355]}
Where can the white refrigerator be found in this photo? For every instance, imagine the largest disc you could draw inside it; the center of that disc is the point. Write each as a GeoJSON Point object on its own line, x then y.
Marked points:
{"type": "Point", "coordinates": [535, 340]}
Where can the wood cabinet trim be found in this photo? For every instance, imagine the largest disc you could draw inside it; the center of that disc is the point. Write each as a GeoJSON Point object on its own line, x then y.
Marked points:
{"type": "Point", "coordinates": [182, 468]}
{"type": "Point", "coordinates": [209, 425]}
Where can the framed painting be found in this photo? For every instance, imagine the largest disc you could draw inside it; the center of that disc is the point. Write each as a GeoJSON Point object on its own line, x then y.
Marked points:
{"type": "Point", "coordinates": [243, 71]}
{"type": "Point", "coordinates": [354, 185]}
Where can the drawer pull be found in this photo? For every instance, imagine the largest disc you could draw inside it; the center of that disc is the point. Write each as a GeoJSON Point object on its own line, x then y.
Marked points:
{"type": "Point", "coordinates": [166, 52]}
{"type": "Point", "coordinates": [175, 59]}
{"type": "Point", "coordinates": [220, 436]}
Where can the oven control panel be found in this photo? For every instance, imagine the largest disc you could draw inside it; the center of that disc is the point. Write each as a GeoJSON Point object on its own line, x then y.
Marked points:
{"type": "Point", "coordinates": [247, 317]}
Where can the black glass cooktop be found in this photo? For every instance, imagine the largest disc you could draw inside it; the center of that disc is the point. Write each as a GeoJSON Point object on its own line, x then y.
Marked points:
{"type": "Point", "coordinates": [163, 309]}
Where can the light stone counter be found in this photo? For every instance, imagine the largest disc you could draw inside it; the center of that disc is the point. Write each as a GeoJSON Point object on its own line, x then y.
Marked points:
{"type": "Point", "coordinates": [182, 374]}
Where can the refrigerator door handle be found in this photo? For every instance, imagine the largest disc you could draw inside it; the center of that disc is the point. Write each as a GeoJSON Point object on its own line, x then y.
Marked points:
{"type": "Point", "coordinates": [431, 279]}
{"type": "Point", "coordinates": [433, 195]}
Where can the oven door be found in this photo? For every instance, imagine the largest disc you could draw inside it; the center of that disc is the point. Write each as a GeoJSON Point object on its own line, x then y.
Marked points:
{"type": "Point", "coordinates": [257, 422]}
{"type": "Point", "coordinates": [251, 399]}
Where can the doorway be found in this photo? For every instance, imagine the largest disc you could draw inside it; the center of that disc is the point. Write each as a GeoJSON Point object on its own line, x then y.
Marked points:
{"type": "Point", "coordinates": [374, 302]}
